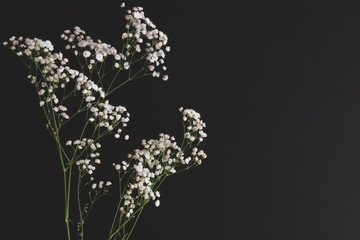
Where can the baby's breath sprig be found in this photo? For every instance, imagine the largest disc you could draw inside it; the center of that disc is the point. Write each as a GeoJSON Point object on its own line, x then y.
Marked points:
{"type": "Point", "coordinates": [67, 96]}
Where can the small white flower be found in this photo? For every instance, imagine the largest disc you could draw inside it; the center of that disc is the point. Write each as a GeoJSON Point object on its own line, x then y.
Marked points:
{"type": "Point", "coordinates": [49, 45]}
{"type": "Point", "coordinates": [157, 203]}
{"type": "Point", "coordinates": [137, 48]}
{"type": "Point", "coordinates": [41, 92]}
{"type": "Point", "coordinates": [117, 166]}
{"type": "Point", "coordinates": [156, 74]}
{"type": "Point", "coordinates": [126, 137]}
{"type": "Point", "coordinates": [62, 108]}
{"type": "Point", "coordinates": [64, 115]}
{"type": "Point", "coordinates": [99, 57]}
{"type": "Point", "coordinates": [87, 54]}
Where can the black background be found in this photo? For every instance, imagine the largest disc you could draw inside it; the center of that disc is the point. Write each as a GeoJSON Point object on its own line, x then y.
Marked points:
{"type": "Point", "coordinates": [278, 84]}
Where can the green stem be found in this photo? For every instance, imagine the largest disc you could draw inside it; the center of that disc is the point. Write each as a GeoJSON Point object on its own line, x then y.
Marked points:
{"type": "Point", "coordinates": [136, 220]}
{"type": "Point", "coordinates": [66, 206]}
{"type": "Point", "coordinates": [67, 200]}
{"type": "Point", "coordinates": [118, 206]}
{"type": "Point", "coordinates": [135, 76]}
{"type": "Point", "coordinates": [79, 207]}
{"type": "Point", "coordinates": [66, 185]}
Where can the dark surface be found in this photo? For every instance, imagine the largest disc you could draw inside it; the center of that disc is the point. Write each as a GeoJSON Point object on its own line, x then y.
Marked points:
{"type": "Point", "coordinates": [278, 84]}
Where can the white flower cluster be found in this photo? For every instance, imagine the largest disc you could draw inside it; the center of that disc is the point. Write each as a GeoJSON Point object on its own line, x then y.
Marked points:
{"type": "Point", "coordinates": [88, 163]}
{"type": "Point", "coordinates": [197, 155]}
{"type": "Point", "coordinates": [142, 37]}
{"type": "Point", "coordinates": [51, 66]}
{"type": "Point", "coordinates": [56, 74]}
{"type": "Point", "coordinates": [28, 46]}
{"type": "Point", "coordinates": [159, 158]}
{"type": "Point", "coordinates": [194, 125]}
{"type": "Point", "coordinates": [101, 184]}
{"type": "Point", "coordinates": [92, 51]}
{"type": "Point", "coordinates": [156, 158]}
{"type": "Point", "coordinates": [88, 87]}
{"type": "Point", "coordinates": [145, 168]}
{"type": "Point", "coordinates": [143, 34]}
{"type": "Point", "coordinates": [124, 166]}
{"type": "Point", "coordinates": [110, 117]}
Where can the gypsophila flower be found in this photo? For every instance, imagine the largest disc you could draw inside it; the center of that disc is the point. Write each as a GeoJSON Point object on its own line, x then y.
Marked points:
{"type": "Point", "coordinates": [67, 95]}
{"type": "Point", "coordinates": [111, 117]}
{"type": "Point", "coordinates": [78, 41]}
{"type": "Point", "coordinates": [53, 67]}
{"type": "Point", "coordinates": [117, 166]}
{"type": "Point", "coordinates": [99, 57]}
{"type": "Point", "coordinates": [143, 35]}
{"type": "Point", "coordinates": [86, 54]}
{"type": "Point", "coordinates": [90, 152]}
{"type": "Point", "coordinates": [88, 88]}
{"type": "Point", "coordinates": [193, 124]}
{"type": "Point", "coordinates": [158, 158]}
